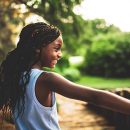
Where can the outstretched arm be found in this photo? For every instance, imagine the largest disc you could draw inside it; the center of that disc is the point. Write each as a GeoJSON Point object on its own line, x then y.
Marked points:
{"type": "Point", "coordinates": [105, 99]}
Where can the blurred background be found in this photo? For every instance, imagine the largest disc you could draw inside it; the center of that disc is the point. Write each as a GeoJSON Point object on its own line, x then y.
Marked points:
{"type": "Point", "coordinates": [96, 34]}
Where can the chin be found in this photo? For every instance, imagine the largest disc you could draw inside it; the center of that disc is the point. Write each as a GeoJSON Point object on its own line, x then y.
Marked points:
{"type": "Point", "coordinates": [52, 67]}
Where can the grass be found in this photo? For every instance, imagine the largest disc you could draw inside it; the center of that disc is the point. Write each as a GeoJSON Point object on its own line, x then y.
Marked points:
{"type": "Point", "coordinates": [104, 83]}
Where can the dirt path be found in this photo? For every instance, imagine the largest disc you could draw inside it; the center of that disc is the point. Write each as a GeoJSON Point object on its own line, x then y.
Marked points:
{"type": "Point", "coordinates": [74, 115]}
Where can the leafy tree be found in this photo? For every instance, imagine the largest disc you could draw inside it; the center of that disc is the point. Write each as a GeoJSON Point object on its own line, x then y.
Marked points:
{"type": "Point", "coordinates": [94, 29]}
{"type": "Point", "coordinates": [10, 15]}
{"type": "Point", "coordinates": [59, 13]}
{"type": "Point", "coordinates": [109, 56]}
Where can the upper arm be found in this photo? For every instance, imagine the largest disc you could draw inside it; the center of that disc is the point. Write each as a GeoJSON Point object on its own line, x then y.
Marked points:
{"type": "Point", "coordinates": [61, 85]}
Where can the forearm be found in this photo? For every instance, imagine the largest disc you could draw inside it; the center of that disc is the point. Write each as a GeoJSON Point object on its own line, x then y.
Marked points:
{"type": "Point", "coordinates": [112, 101]}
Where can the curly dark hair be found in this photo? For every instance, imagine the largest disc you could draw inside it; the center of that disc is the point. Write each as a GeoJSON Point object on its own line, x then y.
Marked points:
{"type": "Point", "coordinates": [20, 60]}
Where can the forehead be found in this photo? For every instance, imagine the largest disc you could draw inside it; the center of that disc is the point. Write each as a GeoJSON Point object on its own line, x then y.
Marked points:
{"type": "Point", "coordinates": [58, 41]}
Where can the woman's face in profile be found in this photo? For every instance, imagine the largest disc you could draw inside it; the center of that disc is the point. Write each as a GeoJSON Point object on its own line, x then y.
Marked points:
{"type": "Point", "coordinates": [51, 53]}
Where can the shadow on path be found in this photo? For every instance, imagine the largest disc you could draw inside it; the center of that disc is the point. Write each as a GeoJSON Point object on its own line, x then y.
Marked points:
{"type": "Point", "coordinates": [74, 115]}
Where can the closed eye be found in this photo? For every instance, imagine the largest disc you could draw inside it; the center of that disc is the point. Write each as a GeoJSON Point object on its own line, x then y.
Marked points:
{"type": "Point", "coordinates": [57, 48]}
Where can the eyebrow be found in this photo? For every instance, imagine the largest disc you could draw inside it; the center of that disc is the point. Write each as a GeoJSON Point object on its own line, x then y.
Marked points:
{"type": "Point", "coordinates": [57, 44]}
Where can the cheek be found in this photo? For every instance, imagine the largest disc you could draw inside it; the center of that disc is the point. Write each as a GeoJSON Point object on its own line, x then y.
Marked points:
{"type": "Point", "coordinates": [52, 55]}
{"type": "Point", "coordinates": [47, 59]}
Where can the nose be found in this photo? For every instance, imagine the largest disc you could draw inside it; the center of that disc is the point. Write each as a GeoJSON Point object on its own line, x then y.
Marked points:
{"type": "Point", "coordinates": [59, 55]}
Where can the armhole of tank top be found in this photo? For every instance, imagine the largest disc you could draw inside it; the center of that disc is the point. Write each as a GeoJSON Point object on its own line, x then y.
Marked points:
{"type": "Point", "coordinates": [35, 98]}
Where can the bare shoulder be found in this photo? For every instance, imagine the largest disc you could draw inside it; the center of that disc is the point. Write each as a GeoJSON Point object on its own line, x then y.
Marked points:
{"type": "Point", "coordinates": [52, 77]}
{"type": "Point", "coordinates": [54, 81]}
{"type": "Point", "coordinates": [57, 83]}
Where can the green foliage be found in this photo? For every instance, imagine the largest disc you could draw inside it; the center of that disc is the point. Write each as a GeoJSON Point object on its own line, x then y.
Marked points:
{"type": "Point", "coordinates": [98, 26]}
{"type": "Point", "coordinates": [72, 74]}
{"type": "Point", "coordinates": [93, 28]}
{"type": "Point", "coordinates": [63, 63]}
{"type": "Point", "coordinates": [55, 12]}
{"type": "Point", "coordinates": [104, 83]}
{"type": "Point", "coordinates": [59, 13]}
{"type": "Point", "coordinates": [109, 56]}
{"type": "Point", "coordinates": [9, 16]}
{"type": "Point", "coordinates": [67, 70]}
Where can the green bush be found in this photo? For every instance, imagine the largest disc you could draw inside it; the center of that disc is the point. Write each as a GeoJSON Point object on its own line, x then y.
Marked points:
{"type": "Point", "coordinates": [62, 64]}
{"type": "Point", "coordinates": [72, 74]}
{"type": "Point", "coordinates": [109, 56]}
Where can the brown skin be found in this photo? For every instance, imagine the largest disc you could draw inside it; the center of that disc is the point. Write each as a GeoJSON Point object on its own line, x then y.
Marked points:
{"type": "Point", "coordinates": [49, 81]}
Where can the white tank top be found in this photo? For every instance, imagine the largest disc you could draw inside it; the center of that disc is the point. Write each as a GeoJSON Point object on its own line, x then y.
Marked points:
{"type": "Point", "coordinates": [36, 116]}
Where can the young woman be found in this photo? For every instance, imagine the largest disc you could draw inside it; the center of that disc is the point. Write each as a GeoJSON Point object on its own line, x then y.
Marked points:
{"type": "Point", "coordinates": [29, 92]}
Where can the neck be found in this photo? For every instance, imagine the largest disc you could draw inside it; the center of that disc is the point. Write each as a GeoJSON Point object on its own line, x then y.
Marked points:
{"type": "Point", "coordinates": [36, 67]}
